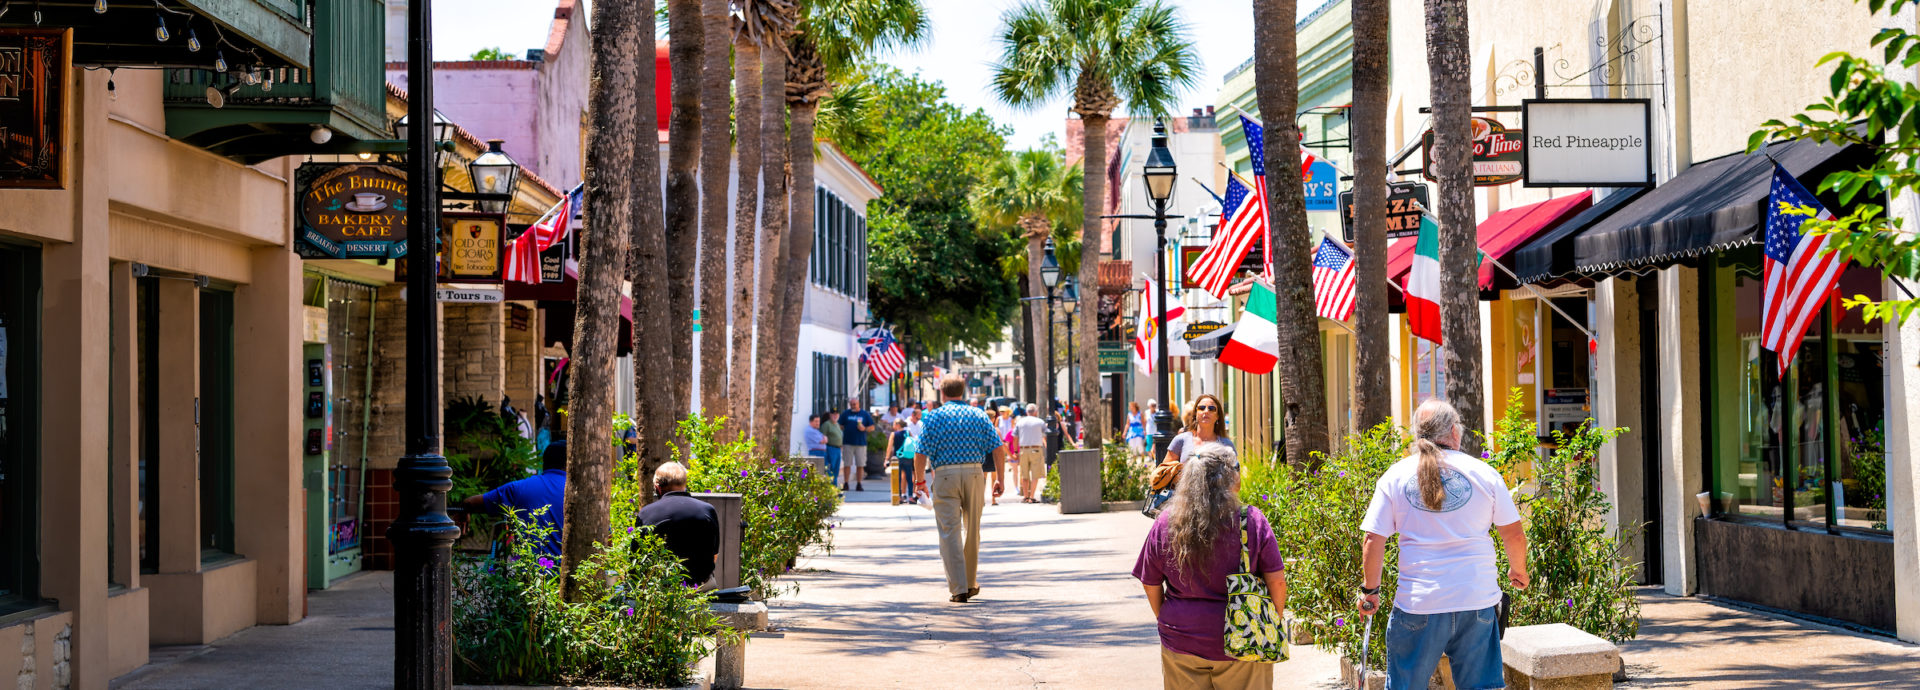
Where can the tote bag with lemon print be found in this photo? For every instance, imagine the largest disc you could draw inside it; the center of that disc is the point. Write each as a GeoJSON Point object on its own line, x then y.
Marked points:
{"type": "Point", "coordinates": [1254, 632]}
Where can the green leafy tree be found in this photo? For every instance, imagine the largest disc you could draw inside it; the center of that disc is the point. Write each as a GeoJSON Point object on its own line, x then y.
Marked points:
{"type": "Point", "coordinates": [1875, 103]}
{"type": "Point", "coordinates": [1105, 53]}
{"type": "Point", "coordinates": [1027, 195]}
{"type": "Point", "coordinates": [487, 54]}
{"type": "Point", "coordinates": [932, 267]}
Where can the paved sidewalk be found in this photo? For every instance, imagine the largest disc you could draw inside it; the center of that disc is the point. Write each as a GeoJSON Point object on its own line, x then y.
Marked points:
{"type": "Point", "coordinates": [345, 642]}
{"type": "Point", "coordinates": [1693, 643]}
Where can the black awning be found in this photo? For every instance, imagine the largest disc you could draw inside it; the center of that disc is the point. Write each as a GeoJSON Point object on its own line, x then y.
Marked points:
{"type": "Point", "coordinates": [1715, 205]}
{"type": "Point", "coordinates": [1550, 255]}
{"type": "Point", "coordinates": [1208, 346]}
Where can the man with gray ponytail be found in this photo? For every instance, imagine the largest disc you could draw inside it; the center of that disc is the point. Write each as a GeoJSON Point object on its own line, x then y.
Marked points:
{"type": "Point", "coordinates": [1442, 502]}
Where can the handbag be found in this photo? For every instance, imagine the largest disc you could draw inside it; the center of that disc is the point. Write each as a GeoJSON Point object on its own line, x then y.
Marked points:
{"type": "Point", "coordinates": [1253, 631]}
{"type": "Point", "coordinates": [1156, 501]}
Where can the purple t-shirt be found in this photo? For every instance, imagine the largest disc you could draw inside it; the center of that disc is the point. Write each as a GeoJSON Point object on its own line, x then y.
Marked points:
{"type": "Point", "coordinates": [1193, 614]}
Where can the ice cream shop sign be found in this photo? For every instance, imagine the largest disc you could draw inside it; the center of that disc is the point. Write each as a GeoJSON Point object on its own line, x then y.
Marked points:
{"type": "Point", "coordinates": [352, 211]}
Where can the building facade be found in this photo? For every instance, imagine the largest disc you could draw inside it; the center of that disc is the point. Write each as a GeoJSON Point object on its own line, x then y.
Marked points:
{"type": "Point", "coordinates": [828, 370]}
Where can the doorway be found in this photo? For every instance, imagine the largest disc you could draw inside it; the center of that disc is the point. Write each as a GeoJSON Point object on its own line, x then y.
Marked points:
{"type": "Point", "coordinates": [1649, 428]}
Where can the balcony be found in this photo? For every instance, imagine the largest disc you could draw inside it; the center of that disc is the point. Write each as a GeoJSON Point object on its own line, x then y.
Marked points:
{"type": "Point", "coordinates": [268, 32]}
{"type": "Point", "coordinates": [252, 115]}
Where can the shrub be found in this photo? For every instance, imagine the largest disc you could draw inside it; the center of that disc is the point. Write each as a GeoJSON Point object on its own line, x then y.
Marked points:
{"type": "Point", "coordinates": [484, 449]}
{"type": "Point", "coordinates": [1121, 479]}
{"type": "Point", "coordinates": [636, 623]}
{"type": "Point", "coordinates": [1050, 492]}
{"type": "Point", "coordinates": [785, 506]}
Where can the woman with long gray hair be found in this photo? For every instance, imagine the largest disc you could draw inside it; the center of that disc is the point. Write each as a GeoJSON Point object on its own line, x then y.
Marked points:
{"type": "Point", "coordinates": [1192, 548]}
{"type": "Point", "coordinates": [1441, 502]}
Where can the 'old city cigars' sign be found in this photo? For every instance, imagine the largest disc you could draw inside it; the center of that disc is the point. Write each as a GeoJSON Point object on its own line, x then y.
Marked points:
{"type": "Point", "coordinates": [34, 68]}
{"type": "Point", "coordinates": [470, 247]}
{"type": "Point", "coordinates": [1498, 153]}
{"type": "Point", "coordinates": [352, 212]}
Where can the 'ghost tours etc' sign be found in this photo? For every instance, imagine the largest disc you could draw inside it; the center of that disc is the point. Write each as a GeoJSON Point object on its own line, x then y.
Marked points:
{"type": "Point", "coordinates": [1498, 153]}
{"type": "Point", "coordinates": [1403, 214]}
{"type": "Point", "coordinates": [352, 212]}
{"type": "Point", "coordinates": [34, 67]}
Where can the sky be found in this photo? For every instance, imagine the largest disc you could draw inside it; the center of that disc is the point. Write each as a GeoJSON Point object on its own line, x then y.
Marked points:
{"type": "Point", "coordinates": [959, 53]}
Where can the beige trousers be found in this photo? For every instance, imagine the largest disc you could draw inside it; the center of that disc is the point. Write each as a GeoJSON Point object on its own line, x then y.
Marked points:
{"type": "Point", "coordinates": [1187, 672]}
{"type": "Point", "coordinates": [958, 498]}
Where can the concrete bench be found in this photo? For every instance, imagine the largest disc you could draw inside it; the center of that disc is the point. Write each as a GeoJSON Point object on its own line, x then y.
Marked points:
{"type": "Point", "coordinates": [1557, 656]}
{"type": "Point", "coordinates": [730, 659]}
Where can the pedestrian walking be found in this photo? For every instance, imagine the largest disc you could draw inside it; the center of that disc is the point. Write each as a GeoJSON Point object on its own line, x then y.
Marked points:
{"type": "Point", "coordinates": [830, 426]}
{"type": "Point", "coordinates": [1205, 424]}
{"type": "Point", "coordinates": [958, 438]}
{"type": "Point", "coordinates": [1150, 418]}
{"type": "Point", "coordinates": [1031, 432]}
{"type": "Point", "coordinates": [1136, 430]}
{"type": "Point", "coordinates": [1195, 547]}
{"type": "Point", "coordinates": [900, 447]}
{"type": "Point", "coordinates": [1441, 502]}
{"type": "Point", "coordinates": [914, 426]}
{"type": "Point", "coordinates": [854, 425]}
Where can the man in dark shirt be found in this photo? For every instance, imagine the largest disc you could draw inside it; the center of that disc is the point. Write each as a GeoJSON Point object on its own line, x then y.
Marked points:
{"type": "Point", "coordinates": [526, 496]}
{"type": "Point", "coordinates": [689, 525]}
{"type": "Point", "coordinates": [856, 422]}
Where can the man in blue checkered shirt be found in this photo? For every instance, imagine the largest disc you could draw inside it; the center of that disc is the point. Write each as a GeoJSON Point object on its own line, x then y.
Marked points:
{"type": "Point", "coordinates": [956, 441]}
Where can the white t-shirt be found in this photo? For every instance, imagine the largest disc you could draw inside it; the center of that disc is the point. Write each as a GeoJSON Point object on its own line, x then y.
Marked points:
{"type": "Point", "coordinates": [1030, 431]}
{"type": "Point", "coordinates": [1446, 557]}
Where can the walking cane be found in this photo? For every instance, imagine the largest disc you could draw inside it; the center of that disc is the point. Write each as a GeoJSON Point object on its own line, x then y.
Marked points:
{"type": "Point", "coordinates": [1366, 641]}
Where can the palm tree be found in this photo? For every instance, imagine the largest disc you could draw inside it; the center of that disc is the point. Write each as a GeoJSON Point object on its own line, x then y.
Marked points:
{"type": "Point", "coordinates": [684, 55]}
{"type": "Point", "coordinates": [657, 387]}
{"type": "Point", "coordinates": [613, 102]}
{"type": "Point", "coordinates": [1372, 48]}
{"type": "Point", "coordinates": [716, 149]}
{"type": "Point", "coordinates": [773, 214]}
{"type": "Point", "coordinates": [1105, 53]}
{"type": "Point", "coordinates": [1029, 193]}
{"type": "Point", "coordinates": [1448, 62]}
{"type": "Point", "coordinates": [1302, 385]}
{"type": "Point", "coordinates": [746, 200]}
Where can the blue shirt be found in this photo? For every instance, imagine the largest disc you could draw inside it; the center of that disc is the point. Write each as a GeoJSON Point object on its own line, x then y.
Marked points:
{"type": "Point", "coordinates": [815, 439]}
{"type": "Point", "coordinates": [547, 489]}
{"type": "Point", "coordinates": [850, 422]}
{"type": "Point", "coordinates": [957, 433]}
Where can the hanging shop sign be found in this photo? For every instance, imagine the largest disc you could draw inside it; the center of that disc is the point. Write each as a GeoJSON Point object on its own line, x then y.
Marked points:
{"type": "Point", "coordinates": [34, 66]}
{"type": "Point", "coordinates": [1588, 142]}
{"type": "Point", "coordinates": [1404, 201]}
{"type": "Point", "coordinates": [1201, 328]}
{"type": "Point", "coordinates": [1113, 357]}
{"type": "Point", "coordinates": [352, 211]}
{"type": "Point", "coordinates": [1209, 345]}
{"type": "Point", "coordinates": [1322, 187]}
{"type": "Point", "coordinates": [1498, 153]}
{"type": "Point", "coordinates": [472, 295]}
{"type": "Point", "coordinates": [470, 247]}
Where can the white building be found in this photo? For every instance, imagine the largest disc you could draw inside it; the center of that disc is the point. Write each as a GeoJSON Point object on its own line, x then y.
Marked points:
{"type": "Point", "coordinates": [828, 369]}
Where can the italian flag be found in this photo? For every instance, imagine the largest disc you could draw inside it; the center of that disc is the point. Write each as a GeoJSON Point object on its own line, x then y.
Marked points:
{"type": "Point", "coordinates": [1255, 345]}
{"type": "Point", "coordinates": [1423, 284]}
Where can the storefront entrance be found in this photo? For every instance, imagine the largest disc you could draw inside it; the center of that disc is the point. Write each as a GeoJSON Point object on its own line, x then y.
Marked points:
{"type": "Point", "coordinates": [1648, 429]}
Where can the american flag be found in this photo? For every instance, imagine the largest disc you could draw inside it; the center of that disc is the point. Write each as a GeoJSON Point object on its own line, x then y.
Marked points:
{"type": "Point", "coordinates": [1799, 275]}
{"type": "Point", "coordinates": [523, 255]}
{"type": "Point", "coordinates": [882, 353]}
{"type": "Point", "coordinates": [1243, 220]}
{"type": "Point", "coordinates": [1332, 280]}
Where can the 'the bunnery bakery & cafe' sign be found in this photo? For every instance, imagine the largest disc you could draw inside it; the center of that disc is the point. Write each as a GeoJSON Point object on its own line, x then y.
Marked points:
{"type": "Point", "coordinates": [1498, 153]}
{"type": "Point", "coordinates": [352, 211]}
{"type": "Point", "coordinates": [34, 67]}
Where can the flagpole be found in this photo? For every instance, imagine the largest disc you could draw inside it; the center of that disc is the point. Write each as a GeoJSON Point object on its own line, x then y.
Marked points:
{"type": "Point", "coordinates": [1503, 269]}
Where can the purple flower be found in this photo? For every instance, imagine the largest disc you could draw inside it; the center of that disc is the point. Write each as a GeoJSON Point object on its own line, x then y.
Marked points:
{"type": "Point", "coordinates": [629, 530]}
{"type": "Point", "coordinates": [776, 509]}
{"type": "Point", "coordinates": [1569, 603]}
{"type": "Point", "coordinates": [1339, 622]}
{"type": "Point", "coordinates": [1343, 474]}
{"type": "Point", "coordinates": [1484, 455]}
{"type": "Point", "coordinates": [546, 563]}
{"type": "Point", "coordinates": [627, 611]}
{"type": "Point", "coordinates": [743, 473]}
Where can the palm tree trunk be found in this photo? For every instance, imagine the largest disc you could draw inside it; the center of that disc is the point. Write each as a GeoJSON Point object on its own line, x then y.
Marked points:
{"type": "Point", "coordinates": [773, 242]}
{"type": "Point", "coordinates": [1037, 348]}
{"type": "Point", "coordinates": [1302, 383]}
{"type": "Point", "coordinates": [684, 54]}
{"type": "Point", "coordinates": [1448, 62]}
{"type": "Point", "coordinates": [656, 386]}
{"type": "Point", "coordinates": [716, 150]}
{"type": "Point", "coordinates": [1372, 392]}
{"type": "Point", "coordinates": [799, 254]}
{"type": "Point", "coordinates": [603, 258]}
{"type": "Point", "coordinates": [1093, 167]}
{"type": "Point", "coordinates": [1031, 367]}
{"type": "Point", "coordinates": [746, 75]}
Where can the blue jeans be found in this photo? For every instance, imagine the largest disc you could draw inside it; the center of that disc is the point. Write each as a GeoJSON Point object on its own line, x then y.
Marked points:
{"type": "Point", "coordinates": [833, 463]}
{"type": "Point", "coordinates": [1470, 639]}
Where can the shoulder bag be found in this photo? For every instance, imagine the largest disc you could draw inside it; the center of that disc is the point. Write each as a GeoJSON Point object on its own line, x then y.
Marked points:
{"type": "Point", "coordinates": [1254, 632]}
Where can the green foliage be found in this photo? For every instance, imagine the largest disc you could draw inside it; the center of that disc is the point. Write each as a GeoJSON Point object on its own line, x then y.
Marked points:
{"type": "Point", "coordinates": [636, 623]}
{"type": "Point", "coordinates": [1135, 50]}
{"type": "Point", "coordinates": [489, 54]}
{"type": "Point", "coordinates": [1050, 492]}
{"type": "Point", "coordinates": [1868, 107]}
{"type": "Point", "coordinates": [1121, 479]}
{"type": "Point", "coordinates": [1315, 513]}
{"type": "Point", "coordinates": [846, 32]}
{"type": "Point", "coordinates": [484, 449]}
{"type": "Point", "coordinates": [785, 502]}
{"type": "Point", "coordinates": [1868, 487]}
{"type": "Point", "coordinates": [925, 248]}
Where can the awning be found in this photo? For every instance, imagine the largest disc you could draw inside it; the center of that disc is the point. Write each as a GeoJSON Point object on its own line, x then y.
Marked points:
{"type": "Point", "coordinates": [1498, 236]}
{"type": "Point", "coordinates": [1550, 255]}
{"type": "Point", "coordinates": [1715, 205]}
{"type": "Point", "coordinates": [1208, 346]}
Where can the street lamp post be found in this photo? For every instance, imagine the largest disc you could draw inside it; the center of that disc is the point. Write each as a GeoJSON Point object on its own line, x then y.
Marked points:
{"type": "Point", "coordinates": [1050, 275]}
{"type": "Point", "coordinates": [421, 533]}
{"type": "Point", "coordinates": [1070, 297]}
{"type": "Point", "coordinates": [1159, 174]}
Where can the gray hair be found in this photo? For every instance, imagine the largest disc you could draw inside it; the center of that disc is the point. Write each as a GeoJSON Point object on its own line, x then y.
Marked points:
{"type": "Point", "coordinates": [1205, 505]}
{"type": "Point", "coordinates": [1434, 422]}
{"type": "Point", "coordinates": [1033, 410]}
{"type": "Point", "coordinates": [670, 475]}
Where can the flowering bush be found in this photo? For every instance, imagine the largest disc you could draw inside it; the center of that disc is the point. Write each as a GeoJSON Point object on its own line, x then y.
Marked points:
{"type": "Point", "coordinates": [1121, 479]}
{"type": "Point", "coordinates": [785, 503]}
{"type": "Point", "coordinates": [635, 623]}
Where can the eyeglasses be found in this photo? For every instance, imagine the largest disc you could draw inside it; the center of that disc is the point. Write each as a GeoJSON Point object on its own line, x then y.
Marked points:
{"type": "Point", "coordinates": [1206, 408]}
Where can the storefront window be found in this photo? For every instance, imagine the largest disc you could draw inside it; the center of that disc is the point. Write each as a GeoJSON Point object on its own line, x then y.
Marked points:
{"type": "Point", "coordinates": [1805, 448]}
{"type": "Point", "coordinates": [147, 340]}
{"type": "Point", "coordinates": [216, 424]}
{"type": "Point", "coordinates": [1429, 372]}
{"type": "Point", "coordinates": [19, 429]}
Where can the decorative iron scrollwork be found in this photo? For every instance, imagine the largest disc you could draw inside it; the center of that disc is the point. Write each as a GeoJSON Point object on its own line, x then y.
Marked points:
{"type": "Point", "coordinates": [1616, 52]}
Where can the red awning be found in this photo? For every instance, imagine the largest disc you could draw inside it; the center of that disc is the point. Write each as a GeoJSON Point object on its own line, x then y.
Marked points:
{"type": "Point", "coordinates": [1499, 235]}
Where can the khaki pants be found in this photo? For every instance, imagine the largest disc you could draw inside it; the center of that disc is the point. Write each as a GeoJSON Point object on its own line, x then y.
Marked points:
{"type": "Point", "coordinates": [958, 498]}
{"type": "Point", "coordinates": [1186, 672]}
{"type": "Point", "coordinates": [1033, 463]}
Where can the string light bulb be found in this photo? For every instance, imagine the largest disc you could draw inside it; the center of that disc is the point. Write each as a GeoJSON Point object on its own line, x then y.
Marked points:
{"type": "Point", "coordinates": [99, 6]}
{"type": "Point", "coordinates": [4, 8]}
{"type": "Point", "coordinates": [160, 32]}
{"type": "Point", "coordinates": [193, 41]}
{"type": "Point", "coordinates": [219, 61]}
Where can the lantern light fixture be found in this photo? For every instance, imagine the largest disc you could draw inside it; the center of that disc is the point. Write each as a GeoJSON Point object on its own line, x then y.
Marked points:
{"type": "Point", "coordinates": [1160, 170]}
{"type": "Point", "coordinates": [493, 172]}
{"type": "Point", "coordinates": [1049, 268]}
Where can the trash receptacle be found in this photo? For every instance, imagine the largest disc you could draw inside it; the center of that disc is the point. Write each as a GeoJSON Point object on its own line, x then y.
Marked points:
{"type": "Point", "coordinates": [1079, 472]}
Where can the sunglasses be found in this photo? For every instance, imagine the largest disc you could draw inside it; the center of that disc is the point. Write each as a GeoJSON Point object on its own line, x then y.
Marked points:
{"type": "Point", "coordinates": [1206, 408]}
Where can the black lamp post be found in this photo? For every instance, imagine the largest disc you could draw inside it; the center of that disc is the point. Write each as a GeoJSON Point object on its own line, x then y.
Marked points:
{"type": "Point", "coordinates": [422, 534]}
{"type": "Point", "coordinates": [1050, 275]}
{"type": "Point", "coordinates": [1160, 173]}
{"type": "Point", "coordinates": [1070, 297]}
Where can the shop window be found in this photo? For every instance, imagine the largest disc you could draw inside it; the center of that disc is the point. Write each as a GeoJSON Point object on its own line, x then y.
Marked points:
{"type": "Point", "coordinates": [19, 429]}
{"type": "Point", "coordinates": [1565, 391]}
{"type": "Point", "coordinates": [1429, 371]}
{"type": "Point", "coordinates": [1806, 448]}
{"type": "Point", "coordinates": [147, 381]}
{"type": "Point", "coordinates": [216, 424]}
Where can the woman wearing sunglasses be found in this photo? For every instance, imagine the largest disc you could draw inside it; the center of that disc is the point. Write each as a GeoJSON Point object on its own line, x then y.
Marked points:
{"type": "Point", "coordinates": [1205, 422]}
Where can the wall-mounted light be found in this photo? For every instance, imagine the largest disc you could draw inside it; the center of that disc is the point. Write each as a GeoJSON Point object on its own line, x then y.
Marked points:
{"type": "Point", "coordinates": [320, 134]}
{"type": "Point", "coordinates": [141, 270]}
